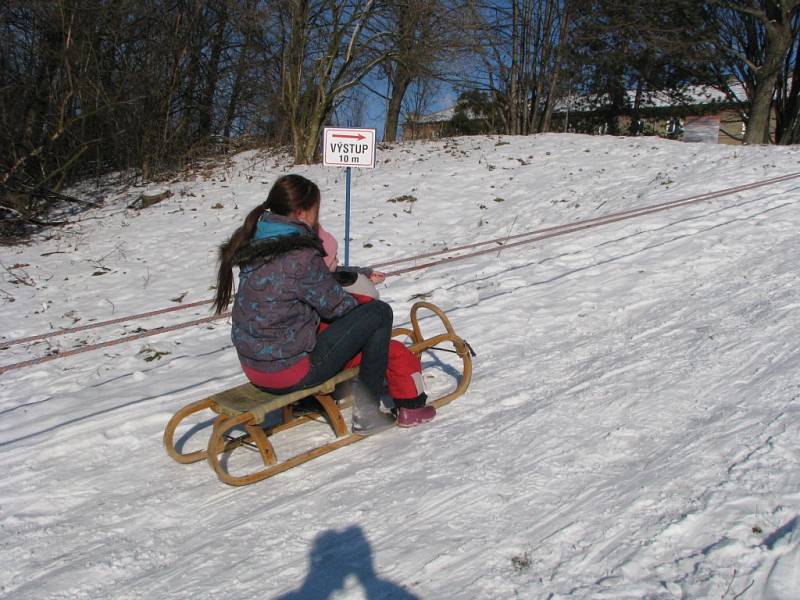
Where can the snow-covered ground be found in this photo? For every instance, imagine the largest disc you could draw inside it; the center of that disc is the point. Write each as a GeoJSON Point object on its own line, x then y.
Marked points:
{"type": "Point", "coordinates": [632, 429]}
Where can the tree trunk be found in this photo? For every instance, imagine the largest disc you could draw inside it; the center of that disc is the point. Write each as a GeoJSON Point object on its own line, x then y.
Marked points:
{"type": "Point", "coordinates": [50, 49]}
{"type": "Point", "coordinates": [292, 74]}
{"type": "Point", "coordinates": [207, 101]}
{"type": "Point", "coordinates": [236, 89]}
{"type": "Point", "coordinates": [761, 106]}
{"type": "Point", "coordinates": [399, 87]}
{"type": "Point", "coordinates": [778, 39]}
{"type": "Point", "coordinates": [555, 74]}
{"type": "Point", "coordinates": [788, 126]}
{"type": "Point", "coordinates": [513, 91]}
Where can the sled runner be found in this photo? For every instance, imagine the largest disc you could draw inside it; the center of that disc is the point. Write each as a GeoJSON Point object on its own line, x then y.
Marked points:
{"type": "Point", "coordinates": [248, 407]}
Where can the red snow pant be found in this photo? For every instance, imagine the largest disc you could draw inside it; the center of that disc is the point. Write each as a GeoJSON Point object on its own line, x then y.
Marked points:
{"type": "Point", "coordinates": [403, 371]}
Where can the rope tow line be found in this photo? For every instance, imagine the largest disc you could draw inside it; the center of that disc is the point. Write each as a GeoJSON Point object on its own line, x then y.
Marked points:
{"type": "Point", "coordinates": [548, 232]}
{"type": "Point", "coordinates": [144, 315]}
{"type": "Point", "coordinates": [90, 347]}
{"type": "Point", "coordinates": [498, 244]}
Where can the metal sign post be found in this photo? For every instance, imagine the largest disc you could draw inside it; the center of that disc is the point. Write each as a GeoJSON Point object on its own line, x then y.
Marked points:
{"type": "Point", "coordinates": [348, 147]}
{"type": "Point", "coordinates": [347, 218]}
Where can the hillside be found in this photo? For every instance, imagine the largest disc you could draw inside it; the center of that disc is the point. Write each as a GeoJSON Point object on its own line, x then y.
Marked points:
{"type": "Point", "coordinates": [631, 430]}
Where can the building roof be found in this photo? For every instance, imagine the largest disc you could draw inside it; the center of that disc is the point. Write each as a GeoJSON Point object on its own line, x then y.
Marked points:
{"type": "Point", "coordinates": [440, 116]}
{"type": "Point", "coordinates": [691, 95]}
{"type": "Point", "coordinates": [436, 117]}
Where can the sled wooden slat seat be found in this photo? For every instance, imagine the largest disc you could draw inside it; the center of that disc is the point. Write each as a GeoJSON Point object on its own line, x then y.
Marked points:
{"type": "Point", "coordinates": [246, 406]}
{"type": "Point", "coordinates": [249, 398]}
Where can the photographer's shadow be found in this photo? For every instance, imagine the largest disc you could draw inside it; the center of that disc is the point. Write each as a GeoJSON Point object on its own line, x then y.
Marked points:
{"type": "Point", "coordinates": [336, 555]}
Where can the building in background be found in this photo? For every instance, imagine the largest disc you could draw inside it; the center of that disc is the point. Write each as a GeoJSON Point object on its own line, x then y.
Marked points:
{"type": "Point", "coordinates": [697, 114]}
{"type": "Point", "coordinates": [443, 123]}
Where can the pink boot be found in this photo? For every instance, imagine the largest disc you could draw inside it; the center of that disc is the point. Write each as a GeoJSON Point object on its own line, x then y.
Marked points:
{"type": "Point", "coordinates": [411, 417]}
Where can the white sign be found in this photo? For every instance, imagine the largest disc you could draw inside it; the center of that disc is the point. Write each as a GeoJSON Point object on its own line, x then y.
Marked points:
{"type": "Point", "coordinates": [348, 147]}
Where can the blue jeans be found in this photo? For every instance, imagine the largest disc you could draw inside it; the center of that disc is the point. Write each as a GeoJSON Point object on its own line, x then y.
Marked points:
{"type": "Point", "coordinates": [366, 329]}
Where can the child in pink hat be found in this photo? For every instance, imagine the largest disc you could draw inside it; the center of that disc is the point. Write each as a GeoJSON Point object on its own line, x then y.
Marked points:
{"type": "Point", "coordinates": [332, 262]}
{"type": "Point", "coordinates": [404, 369]}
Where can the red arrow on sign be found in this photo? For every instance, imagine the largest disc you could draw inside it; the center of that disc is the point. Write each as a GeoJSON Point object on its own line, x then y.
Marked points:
{"type": "Point", "coordinates": [352, 137]}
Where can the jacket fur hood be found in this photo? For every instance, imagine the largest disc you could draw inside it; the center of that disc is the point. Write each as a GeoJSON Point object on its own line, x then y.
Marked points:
{"type": "Point", "coordinates": [257, 251]}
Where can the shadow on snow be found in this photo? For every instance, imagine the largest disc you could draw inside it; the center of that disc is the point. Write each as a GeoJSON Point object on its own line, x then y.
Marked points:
{"type": "Point", "coordinates": [336, 555]}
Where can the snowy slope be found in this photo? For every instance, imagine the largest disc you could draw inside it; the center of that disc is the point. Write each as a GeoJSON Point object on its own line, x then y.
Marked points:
{"type": "Point", "coordinates": [631, 430]}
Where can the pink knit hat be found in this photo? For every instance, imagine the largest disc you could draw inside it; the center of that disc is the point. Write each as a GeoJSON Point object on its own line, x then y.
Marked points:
{"type": "Point", "coordinates": [331, 248]}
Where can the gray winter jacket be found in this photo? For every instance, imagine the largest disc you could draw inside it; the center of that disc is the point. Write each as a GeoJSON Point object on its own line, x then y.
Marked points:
{"type": "Point", "coordinates": [284, 290]}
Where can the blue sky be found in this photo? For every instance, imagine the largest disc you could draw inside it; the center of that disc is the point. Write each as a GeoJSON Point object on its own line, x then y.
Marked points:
{"type": "Point", "coordinates": [375, 109]}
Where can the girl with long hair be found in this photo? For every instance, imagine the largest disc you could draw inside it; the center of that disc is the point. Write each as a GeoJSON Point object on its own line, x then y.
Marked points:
{"type": "Point", "coordinates": [285, 290]}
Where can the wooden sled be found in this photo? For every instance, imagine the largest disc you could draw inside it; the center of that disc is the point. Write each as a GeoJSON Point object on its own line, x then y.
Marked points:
{"type": "Point", "coordinates": [247, 406]}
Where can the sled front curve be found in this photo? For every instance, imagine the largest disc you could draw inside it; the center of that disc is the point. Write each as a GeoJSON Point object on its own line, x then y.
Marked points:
{"type": "Point", "coordinates": [420, 344]}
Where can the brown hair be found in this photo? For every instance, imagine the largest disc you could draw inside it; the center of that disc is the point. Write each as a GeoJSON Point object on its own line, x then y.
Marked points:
{"type": "Point", "coordinates": [288, 194]}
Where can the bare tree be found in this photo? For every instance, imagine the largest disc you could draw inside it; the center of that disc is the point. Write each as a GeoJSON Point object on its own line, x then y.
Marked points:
{"type": "Point", "coordinates": [419, 99]}
{"type": "Point", "coordinates": [326, 53]}
{"type": "Point", "coordinates": [87, 86]}
{"type": "Point", "coordinates": [787, 130]}
{"type": "Point", "coordinates": [524, 59]}
{"type": "Point", "coordinates": [623, 53]}
{"type": "Point", "coordinates": [426, 38]}
{"type": "Point", "coordinates": [757, 36]}
{"type": "Point", "coordinates": [351, 108]}
{"type": "Point", "coordinates": [412, 23]}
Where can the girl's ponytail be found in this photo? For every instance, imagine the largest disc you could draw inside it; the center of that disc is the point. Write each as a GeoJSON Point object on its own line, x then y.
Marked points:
{"type": "Point", "coordinates": [226, 252]}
